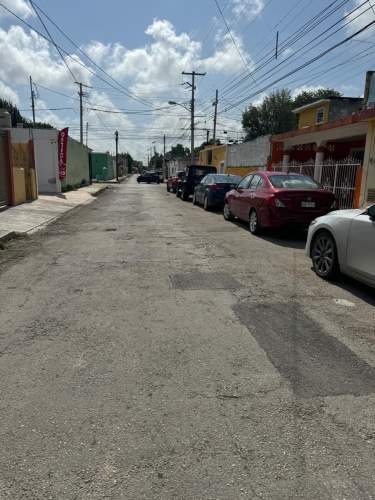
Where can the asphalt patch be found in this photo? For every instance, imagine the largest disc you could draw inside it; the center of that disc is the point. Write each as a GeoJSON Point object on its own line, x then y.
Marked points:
{"type": "Point", "coordinates": [312, 361]}
{"type": "Point", "coordinates": [204, 281]}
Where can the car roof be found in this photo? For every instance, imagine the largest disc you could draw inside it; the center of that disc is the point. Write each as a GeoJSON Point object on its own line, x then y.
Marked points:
{"type": "Point", "coordinates": [268, 173]}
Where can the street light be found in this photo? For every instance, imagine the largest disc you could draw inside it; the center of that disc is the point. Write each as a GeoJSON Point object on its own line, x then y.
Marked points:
{"type": "Point", "coordinates": [173, 103]}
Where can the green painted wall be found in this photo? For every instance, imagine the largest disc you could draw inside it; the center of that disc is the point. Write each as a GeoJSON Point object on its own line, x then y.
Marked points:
{"type": "Point", "coordinates": [77, 172]}
{"type": "Point", "coordinates": [102, 166]}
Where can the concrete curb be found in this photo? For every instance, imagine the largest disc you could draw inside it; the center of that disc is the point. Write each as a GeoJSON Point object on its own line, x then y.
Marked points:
{"type": "Point", "coordinates": [17, 234]}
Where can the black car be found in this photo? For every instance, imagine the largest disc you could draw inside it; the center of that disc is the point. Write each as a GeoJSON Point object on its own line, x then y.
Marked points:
{"type": "Point", "coordinates": [211, 191]}
{"type": "Point", "coordinates": [193, 176]}
{"type": "Point", "coordinates": [149, 177]}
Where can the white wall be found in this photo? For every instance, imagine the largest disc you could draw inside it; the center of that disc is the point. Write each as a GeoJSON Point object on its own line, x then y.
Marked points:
{"type": "Point", "coordinates": [248, 154]}
{"type": "Point", "coordinates": [46, 156]}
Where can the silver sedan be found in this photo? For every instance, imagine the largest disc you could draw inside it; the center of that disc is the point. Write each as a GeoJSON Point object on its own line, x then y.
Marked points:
{"type": "Point", "coordinates": [344, 241]}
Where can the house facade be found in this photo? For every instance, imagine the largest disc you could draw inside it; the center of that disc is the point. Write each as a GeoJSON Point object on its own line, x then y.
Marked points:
{"type": "Point", "coordinates": [337, 153]}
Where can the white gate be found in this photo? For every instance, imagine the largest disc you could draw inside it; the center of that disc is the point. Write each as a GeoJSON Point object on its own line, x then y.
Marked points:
{"type": "Point", "coordinates": [337, 176]}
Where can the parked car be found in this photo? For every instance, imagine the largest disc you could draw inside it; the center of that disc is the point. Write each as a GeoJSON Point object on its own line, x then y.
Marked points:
{"type": "Point", "coordinates": [149, 177]}
{"type": "Point", "coordinates": [173, 180]}
{"type": "Point", "coordinates": [193, 175]}
{"type": "Point", "coordinates": [344, 241]}
{"type": "Point", "coordinates": [211, 191]}
{"type": "Point", "coordinates": [277, 199]}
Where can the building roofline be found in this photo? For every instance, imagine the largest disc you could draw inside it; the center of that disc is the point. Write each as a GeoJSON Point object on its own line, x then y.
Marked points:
{"type": "Point", "coordinates": [361, 116]}
{"type": "Point", "coordinates": [325, 101]}
{"type": "Point", "coordinates": [311, 105]}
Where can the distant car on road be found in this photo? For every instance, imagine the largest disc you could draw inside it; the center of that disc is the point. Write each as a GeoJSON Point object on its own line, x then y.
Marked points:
{"type": "Point", "coordinates": [173, 180]}
{"type": "Point", "coordinates": [149, 177]}
{"type": "Point", "coordinates": [344, 241]}
{"type": "Point", "coordinates": [211, 191]}
{"type": "Point", "coordinates": [193, 175]}
{"type": "Point", "coordinates": [277, 199]}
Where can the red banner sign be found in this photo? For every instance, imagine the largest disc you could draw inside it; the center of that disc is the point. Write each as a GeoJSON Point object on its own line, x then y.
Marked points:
{"type": "Point", "coordinates": [63, 149]}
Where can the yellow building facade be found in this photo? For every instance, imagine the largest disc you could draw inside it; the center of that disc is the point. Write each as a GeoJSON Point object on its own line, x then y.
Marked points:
{"type": "Point", "coordinates": [214, 156]}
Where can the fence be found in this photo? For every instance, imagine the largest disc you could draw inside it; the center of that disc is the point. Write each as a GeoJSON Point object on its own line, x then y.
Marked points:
{"type": "Point", "coordinates": [341, 177]}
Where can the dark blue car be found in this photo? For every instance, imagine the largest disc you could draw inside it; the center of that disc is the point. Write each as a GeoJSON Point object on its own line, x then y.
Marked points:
{"type": "Point", "coordinates": [210, 192]}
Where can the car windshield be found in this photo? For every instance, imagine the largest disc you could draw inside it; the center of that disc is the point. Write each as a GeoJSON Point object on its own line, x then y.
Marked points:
{"type": "Point", "coordinates": [226, 179]}
{"type": "Point", "coordinates": [293, 181]}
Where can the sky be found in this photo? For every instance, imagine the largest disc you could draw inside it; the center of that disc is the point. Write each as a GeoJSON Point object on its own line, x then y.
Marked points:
{"type": "Point", "coordinates": [131, 56]}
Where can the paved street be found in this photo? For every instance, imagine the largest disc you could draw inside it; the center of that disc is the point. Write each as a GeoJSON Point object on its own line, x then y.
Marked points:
{"type": "Point", "coordinates": [149, 349]}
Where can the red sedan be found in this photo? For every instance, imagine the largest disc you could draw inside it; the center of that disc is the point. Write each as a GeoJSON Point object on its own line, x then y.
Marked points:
{"type": "Point", "coordinates": [277, 199]}
{"type": "Point", "coordinates": [173, 181]}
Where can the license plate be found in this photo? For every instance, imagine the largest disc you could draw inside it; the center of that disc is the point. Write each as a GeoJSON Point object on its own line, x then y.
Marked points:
{"type": "Point", "coordinates": [308, 204]}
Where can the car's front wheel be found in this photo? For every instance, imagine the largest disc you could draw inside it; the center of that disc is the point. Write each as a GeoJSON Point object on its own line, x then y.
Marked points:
{"type": "Point", "coordinates": [206, 204]}
{"type": "Point", "coordinates": [227, 213]}
{"type": "Point", "coordinates": [324, 255]}
{"type": "Point", "coordinates": [254, 225]}
{"type": "Point", "coordinates": [184, 195]}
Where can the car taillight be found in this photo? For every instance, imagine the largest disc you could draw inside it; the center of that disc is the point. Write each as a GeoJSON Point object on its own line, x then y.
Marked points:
{"type": "Point", "coordinates": [279, 203]}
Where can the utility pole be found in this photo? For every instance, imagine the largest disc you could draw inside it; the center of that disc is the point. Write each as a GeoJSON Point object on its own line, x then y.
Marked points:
{"type": "Point", "coordinates": [32, 99]}
{"type": "Point", "coordinates": [193, 74]}
{"type": "Point", "coordinates": [116, 141]}
{"type": "Point", "coordinates": [164, 162]}
{"type": "Point", "coordinates": [207, 136]}
{"type": "Point", "coordinates": [81, 94]}
{"type": "Point", "coordinates": [215, 114]}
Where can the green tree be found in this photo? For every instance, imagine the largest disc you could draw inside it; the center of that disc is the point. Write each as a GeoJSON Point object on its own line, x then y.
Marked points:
{"type": "Point", "coordinates": [275, 116]}
{"type": "Point", "coordinates": [178, 151]}
{"type": "Point", "coordinates": [308, 96]}
{"type": "Point", "coordinates": [16, 116]}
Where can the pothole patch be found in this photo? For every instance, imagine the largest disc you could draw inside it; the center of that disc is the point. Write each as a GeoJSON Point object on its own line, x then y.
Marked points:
{"type": "Point", "coordinates": [344, 302]}
{"type": "Point", "coordinates": [204, 281]}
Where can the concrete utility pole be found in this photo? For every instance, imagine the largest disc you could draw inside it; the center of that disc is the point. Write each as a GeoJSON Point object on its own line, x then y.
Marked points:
{"type": "Point", "coordinates": [193, 74]}
{"type": "Point", "coordinates": [116, 141]}
{"type": "Point", "coordinates": [32, 99]}
{"type": "Point", "coordinates": [215, 103]}
{"type": "Point", "coordinates": [81, 96]}
{"type": "Point", "coordinates": [164, 162]}
{"type": "Point", "coordinates": [207, 135]}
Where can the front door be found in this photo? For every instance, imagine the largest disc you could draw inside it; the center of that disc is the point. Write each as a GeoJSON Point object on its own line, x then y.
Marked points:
{"type": "Point", "coordinates": [238, 195]}
{"type": "Point", "coordinates": [361, 247]}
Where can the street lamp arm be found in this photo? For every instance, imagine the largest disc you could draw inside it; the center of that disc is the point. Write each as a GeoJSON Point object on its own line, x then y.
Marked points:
{"type": "Point", "coordinates": [173, 103]}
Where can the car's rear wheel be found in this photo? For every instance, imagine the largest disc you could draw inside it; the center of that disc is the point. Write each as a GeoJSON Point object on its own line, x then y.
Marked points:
{"type": "Point", "coordinates": [184, 195]}
{"type": "Point", "coordinates": [206, 204]}
{"type": "Point", "coordinates": [254, 225]}
{"type": "Point", "coordinates": [178, 193]}
{"type": "Point", "coordinates": [324, 255]}
{"type": "Point", "coordinates": [227, 213]}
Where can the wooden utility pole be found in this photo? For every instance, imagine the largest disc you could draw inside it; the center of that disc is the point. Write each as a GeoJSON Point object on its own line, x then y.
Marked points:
{"type": "Point", "coordinates": [32, 99]}
{"type": "Point", "coordinates": [193, 74]}
{"type": "Point", "coordinates": [215, 103]}
{"type": "Point", "coordinates": [116, 141]}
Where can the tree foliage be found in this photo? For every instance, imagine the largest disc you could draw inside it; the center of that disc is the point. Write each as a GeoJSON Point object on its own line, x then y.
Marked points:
{"type": "Point", "coordinates": [16, 116]}
{"type": "Point", "coordinates": [274, 115]}
{"type": "Point", "coordinates": [179, 151]}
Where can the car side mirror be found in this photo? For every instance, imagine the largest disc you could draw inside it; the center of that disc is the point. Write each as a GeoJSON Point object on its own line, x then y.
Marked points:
{"type": "Point", "coordinates": [371, 212]}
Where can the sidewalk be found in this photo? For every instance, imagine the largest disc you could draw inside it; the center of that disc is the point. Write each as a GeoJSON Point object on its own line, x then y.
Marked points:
{"type": "Point", "coordinates": [30, 217]}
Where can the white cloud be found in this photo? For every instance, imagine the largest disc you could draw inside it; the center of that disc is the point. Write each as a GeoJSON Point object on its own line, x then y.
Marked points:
{"type": "Point", "coordinates": [29, 54]}
{"type": "Point", "coordinates": [19, 7]}
{"type": "Point", "coordinates": [226, 58]}
{"type": "Point", "coordinates": [8, 94]}
{"type": "Point", "coordinates": [247, 8]}
{"type": "Point", "coordinates": [361, 17]}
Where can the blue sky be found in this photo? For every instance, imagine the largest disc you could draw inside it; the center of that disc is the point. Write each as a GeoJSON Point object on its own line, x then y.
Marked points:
{"type": "Point", "coordinates": [145, 45]}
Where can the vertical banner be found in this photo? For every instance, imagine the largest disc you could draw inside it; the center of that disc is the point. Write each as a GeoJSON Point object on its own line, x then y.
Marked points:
{"type": "Point", "coordinates": [63, 149]}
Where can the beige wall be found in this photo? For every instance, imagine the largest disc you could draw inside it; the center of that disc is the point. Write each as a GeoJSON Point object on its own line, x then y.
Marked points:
{"type": "Point", "coordinates": [368, 179]}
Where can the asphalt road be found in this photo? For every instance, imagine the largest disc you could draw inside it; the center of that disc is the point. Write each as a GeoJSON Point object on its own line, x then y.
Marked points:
{"type": "Point", "coordinates": [149, 349]}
